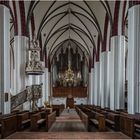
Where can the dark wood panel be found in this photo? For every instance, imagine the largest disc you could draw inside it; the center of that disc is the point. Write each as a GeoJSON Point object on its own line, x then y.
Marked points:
{"type": "Point", "coordinates": [65, 91]}
{"type": "Point", "coordinates": [70, 102]}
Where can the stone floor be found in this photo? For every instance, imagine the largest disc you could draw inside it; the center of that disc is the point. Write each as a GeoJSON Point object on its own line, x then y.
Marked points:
{"type": "Point", "coordinates": [68, 135]}
{"type": "Point", "coordinates": [68, 121]}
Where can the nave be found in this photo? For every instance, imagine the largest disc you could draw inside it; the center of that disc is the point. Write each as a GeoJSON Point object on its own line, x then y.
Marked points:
{"type": "Point", "coordinates": [81, 55]}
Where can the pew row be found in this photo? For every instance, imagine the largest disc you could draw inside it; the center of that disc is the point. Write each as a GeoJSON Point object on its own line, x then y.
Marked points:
{"type": "Point", "coordinates": [137, 126]}
{"type": "Point", "coordinates": [51, 118]}
{"type": "Point", "coordinates": [98, 120]}
{"type": "Point", "coordinates": [92, 117]}
{"type": "Point", "coordinates": [113, 120]}
{"type": "Point", "coordinates": [23, 120]}
{"type": "Point", "coordinates": [83, 117]}
{"type": "Point", "coordinates": [58, 108]}
{"type": "Point", "coordinates": [127, 124]}
{"type": "Point", "coordinates": [37, 120]}
{"type": "Point", "coordinates": [8, 125]}
{"type": "Point", "coordinates": [42, 119]}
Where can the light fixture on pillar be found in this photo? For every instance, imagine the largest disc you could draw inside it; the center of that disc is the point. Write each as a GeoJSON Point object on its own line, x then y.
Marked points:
{"type": "Point", "coordinates": [34, 65]}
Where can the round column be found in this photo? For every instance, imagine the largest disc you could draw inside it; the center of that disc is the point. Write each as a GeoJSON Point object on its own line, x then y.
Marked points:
{"type": "Point", "coordinates": [117, 72]}
{"type": "Point", "coordinates": [5, 103]}
{"type": "Point", "coordinates": [134, 59]}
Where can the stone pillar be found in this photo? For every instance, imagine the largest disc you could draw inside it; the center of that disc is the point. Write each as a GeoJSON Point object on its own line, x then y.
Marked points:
{"type": "Point", "coordinates": [44, 87]}
{"type": "Point", "coordinates": [104, 78]}
{"type": "Point", "coordinates": [134, 59]}
{"type": "Point", "coordinates": [117, 72]}
{"type": "Point", "coordinates": [97, 84]}
{"type": "Point", "coordinates": [91, 87]}
{"type": "Point", "coordinates": [47, 74]}
{"type": "Point", "coordinates": [42, 81]}
{"type": "Point", "coordinates": [5, 103]}
{"type": "Point", "coordinates": [20, 45]}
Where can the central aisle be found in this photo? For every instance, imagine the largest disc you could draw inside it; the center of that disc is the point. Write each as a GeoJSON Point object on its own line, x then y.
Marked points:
{"type": "Point", "coordinates": [68, 121]}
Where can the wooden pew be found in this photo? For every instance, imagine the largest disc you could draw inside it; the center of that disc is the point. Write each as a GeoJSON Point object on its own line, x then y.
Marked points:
{"type": "Point", "coordinates": [58, 109]}
{"type": "Point", "coordinates": [113, 120]}
{"type": "Point", "coordinates": [37, 120]}
{"type": "Point", "coordinates": [127, 124]}
{"type": "Point", "coordinates": [50, 119]}
{"type": "Point", "coordinates": [0, 126]}
{"type": "Point", "coordinates": [15, 111]}
{"type": "Point", "coordinates": [0, 129]}
{"type": "Point", "coordinates": [91, 116]}
{"type": "Point", "coordinates": [77, 109]}
{"type": "Point", "coordinates": [9, 125]}
{"type": "Point", "coordinates": [130, 124]}
{"type": "Point", "coordinates": [41, 108]}
{"type": "Point", "coordinates": [98, 120]}
{"type": "Point", "coordinates": [137, 131]}
{"type": "Point", "coordinates": [83, 117]}
{"type": "Point", "coordinates": [4, 116]}
{"type": "Point", "coordinates": [137, 126]}
{"type": "Point", "coordinates": [23, 120]}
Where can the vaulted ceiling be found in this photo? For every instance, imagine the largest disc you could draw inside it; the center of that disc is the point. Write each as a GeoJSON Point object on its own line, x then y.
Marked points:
{"type": "Point", "coordinates": [86, 24]}
{"type": "Point", "coordinates": [84, 21]}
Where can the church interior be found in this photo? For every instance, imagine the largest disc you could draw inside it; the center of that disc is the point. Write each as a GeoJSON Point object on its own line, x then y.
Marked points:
{"type": "Point", "coordinates": [69, 69]}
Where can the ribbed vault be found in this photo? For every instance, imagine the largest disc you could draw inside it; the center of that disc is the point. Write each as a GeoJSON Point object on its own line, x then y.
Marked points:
{"type": "Point", "coordinates": [55, 21]}
{"type": "Point", "coordinates": [87, 22]}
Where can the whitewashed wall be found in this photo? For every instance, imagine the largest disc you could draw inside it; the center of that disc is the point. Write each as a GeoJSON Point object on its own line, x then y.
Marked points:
{"type": "Point", "coordinates": [78, 101]}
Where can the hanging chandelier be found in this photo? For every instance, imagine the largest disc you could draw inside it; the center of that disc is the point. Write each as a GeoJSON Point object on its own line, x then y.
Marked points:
{"type": "Point", "coordinates": [34, 65]}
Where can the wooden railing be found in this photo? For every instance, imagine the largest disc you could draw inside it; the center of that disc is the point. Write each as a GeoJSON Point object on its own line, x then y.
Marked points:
{"type": "Point", "coordinates": [18, 99]}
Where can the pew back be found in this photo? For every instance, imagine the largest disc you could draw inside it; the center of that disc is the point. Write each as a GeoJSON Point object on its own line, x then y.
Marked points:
{"type": "Point", "coordinates": [51, 118]}
{"type": "Point", "coordinates": [9, 125]}
{"type": "Point", "coordinates": [23, 119]}
{"type": "Point", "coordinates": [127, 125]}
{"type": "Point", "coordinates": [36, 120]}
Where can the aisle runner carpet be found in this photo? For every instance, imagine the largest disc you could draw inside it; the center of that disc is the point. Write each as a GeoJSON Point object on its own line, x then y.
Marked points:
{"type": "Point", "coordinates": [68, 115]}
{"type": "Point", "coordinates": [68, 121]}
